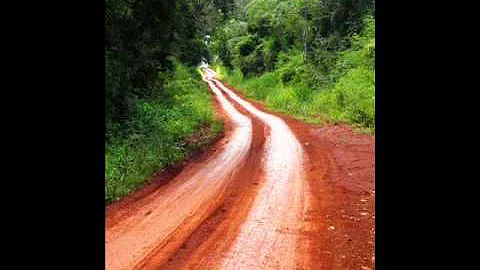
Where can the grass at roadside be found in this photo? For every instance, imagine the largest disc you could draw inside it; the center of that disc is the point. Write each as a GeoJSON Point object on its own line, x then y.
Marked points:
{"type": "Point", "coordinates": [162, 133]}
{"type": "Point", "coordinates": [346, 94]}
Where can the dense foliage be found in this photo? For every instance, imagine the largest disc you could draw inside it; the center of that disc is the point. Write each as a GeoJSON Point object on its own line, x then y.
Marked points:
{"type": "Point", "coordinates": [155, 99]}
{"type": "Point", "coordinates": [143, 38]}
{"type": "Point", "coordinates": [311, 58]}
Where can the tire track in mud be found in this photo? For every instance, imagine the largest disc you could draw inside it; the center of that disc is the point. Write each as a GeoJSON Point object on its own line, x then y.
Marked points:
{"type": "Point", "coordinates": [178, 208]}
{"type": "Point", "coordinates": [275, 217]}
{"type": "Point", "coordinates": [212, 240]}
{"type": "Point", "coordinates": [268, 239]}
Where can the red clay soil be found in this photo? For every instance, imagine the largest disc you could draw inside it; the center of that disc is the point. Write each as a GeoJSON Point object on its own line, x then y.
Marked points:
{"type": "Point", "coordinates": [338, 231]}
{"type": "Point", "coordinates": [341, 174]}
{"type": "Point", "coordinates": [136, 226]}
{"type": "Point", "coordinates": [120, 209]}
{"type": "Point", "coordinates": [216, 234]}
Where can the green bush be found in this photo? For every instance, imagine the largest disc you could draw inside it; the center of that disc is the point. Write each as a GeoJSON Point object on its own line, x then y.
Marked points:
{"type": "Point", "coordinates": [358, 90]}
{"type": "Point", "coordinates": [287, 75]}
{"type": "Point", "coordinates": [284, 98]}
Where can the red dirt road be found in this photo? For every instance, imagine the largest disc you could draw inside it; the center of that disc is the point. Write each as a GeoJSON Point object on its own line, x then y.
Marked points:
{"type": "Point", "coordinates": [273, 193]}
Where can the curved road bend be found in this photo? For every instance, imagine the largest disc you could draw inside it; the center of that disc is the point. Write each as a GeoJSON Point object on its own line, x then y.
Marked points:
{"type": "Point", "coordinates": [179, 207]}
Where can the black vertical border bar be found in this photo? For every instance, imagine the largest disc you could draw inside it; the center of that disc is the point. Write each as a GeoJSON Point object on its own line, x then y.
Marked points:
{"type": "Point", "coordinates": [99, 256]}
{"type": "Point", "coordinates": [379, 135]}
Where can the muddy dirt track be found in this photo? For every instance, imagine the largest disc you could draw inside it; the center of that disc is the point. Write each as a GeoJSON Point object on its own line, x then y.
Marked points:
{"type": "Point", "coordinates": [273, 193]}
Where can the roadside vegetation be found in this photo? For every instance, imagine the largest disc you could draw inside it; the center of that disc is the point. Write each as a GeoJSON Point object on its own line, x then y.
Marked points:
{"type": "Point", "coordinates": [158, 110]}
{"type": "Point", "coordinates": [312, 59]}
{"type": "Point", "coordinates": [160, 133]}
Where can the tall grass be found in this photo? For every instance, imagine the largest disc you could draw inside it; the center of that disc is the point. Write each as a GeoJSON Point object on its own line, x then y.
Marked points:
{"type": "Point", "coordinates": [158, 133]}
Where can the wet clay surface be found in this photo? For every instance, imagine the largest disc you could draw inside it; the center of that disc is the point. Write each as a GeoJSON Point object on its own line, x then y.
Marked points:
{"type": "Point", "coordinates": [341, 174]}
{"type": "Point", "coordinates": [130, 204]}
{"type": "Point", "coordinates": [164, 220]}
{"type": "Point", "coordinates": [320, 217]}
